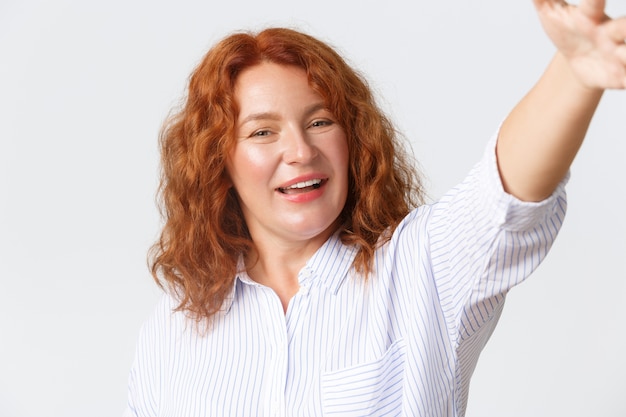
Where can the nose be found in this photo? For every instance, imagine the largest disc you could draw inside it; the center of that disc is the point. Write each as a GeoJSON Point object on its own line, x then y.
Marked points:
{"type": "Point", "coordinates": [299, 147]}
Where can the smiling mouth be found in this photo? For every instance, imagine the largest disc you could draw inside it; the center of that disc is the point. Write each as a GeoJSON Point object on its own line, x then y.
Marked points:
{"type": "Point", "coordinates": [303, 187]}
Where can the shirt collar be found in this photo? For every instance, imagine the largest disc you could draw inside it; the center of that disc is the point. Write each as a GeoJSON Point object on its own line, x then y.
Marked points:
{"type": "Point", "coordinates": [329, 266]}
{"type": "Point", "coordinates": [240, 277]}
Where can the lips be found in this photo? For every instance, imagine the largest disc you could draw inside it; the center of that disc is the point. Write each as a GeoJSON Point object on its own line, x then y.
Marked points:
{"type": "Point", "coordinates": [302, 186]}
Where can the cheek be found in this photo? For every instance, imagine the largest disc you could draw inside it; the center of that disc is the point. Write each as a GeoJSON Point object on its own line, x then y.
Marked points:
{"type": "Point", "coordinates": [341, 155]}
{"type": "Point", "coordinates": [249, 164]}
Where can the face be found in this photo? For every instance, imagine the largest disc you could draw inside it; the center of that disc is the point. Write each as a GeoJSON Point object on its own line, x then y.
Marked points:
{"type": "Point", "coordinates": [290, 162]}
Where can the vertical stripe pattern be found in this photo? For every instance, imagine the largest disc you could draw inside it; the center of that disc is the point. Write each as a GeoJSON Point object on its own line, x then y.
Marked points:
{"type": "Point", "coordinates": [403, 343]}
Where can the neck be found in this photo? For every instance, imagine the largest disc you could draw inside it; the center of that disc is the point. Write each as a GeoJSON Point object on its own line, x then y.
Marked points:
{"type": "Point", "coordinates": [280, 273]}
{"type": "Point", "coordinates": [277, 264]}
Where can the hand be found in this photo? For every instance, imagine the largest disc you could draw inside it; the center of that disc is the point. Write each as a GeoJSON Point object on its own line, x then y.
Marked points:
{"type": "Point", "coordinates": [593, 44]}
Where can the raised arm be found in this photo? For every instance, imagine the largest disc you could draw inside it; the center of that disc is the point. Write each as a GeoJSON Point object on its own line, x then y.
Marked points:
{"type": "Point", "coordinates": [541, 136]}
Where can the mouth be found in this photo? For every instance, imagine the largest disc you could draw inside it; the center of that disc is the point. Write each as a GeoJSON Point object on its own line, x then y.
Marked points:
{"type": "Point", "coordinates": [303, 187]}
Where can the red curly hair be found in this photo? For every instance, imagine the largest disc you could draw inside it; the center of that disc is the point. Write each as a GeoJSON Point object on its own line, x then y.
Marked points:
{"type": "Point", "coordinates": [196, 256]}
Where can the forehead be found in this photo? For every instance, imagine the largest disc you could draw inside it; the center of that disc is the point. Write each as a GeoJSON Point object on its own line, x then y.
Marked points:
{"type": "Point", "coordinates": [272, 87]}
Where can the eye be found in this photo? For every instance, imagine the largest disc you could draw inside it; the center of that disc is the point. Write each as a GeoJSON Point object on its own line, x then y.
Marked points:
{"type": "Point", "coordinates": [321, 123]}
{"type": "Point", "coordinates": [262, 136]}
{"type": "Point", "coordinates": [261, 133]}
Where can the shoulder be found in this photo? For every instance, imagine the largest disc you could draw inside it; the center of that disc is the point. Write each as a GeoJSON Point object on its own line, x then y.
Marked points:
{"type": "Point", "coordinates": [164, 319]}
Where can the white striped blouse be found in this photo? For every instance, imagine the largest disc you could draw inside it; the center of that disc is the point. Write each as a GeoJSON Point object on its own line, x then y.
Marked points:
{"type": "Point", "coordinates": [403, 343]}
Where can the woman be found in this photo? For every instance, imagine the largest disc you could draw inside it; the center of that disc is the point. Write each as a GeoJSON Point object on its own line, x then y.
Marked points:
{"type": "Point", "coordinates": [303, 275]}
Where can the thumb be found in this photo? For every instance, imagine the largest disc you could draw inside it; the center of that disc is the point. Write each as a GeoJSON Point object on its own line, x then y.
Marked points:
{"type": "Point", "coordinates": [594, 9]}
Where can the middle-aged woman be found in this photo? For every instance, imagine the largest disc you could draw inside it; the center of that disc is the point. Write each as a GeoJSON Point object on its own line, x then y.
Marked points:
{"type": "Point", "coordinates": [300, 277]}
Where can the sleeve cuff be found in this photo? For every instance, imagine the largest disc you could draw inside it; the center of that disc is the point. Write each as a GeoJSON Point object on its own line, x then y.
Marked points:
{"type": "Point", "coordinates": [507, 211]}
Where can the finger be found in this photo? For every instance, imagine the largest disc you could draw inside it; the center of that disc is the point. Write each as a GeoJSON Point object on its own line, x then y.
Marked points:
{"type": "Point", "coordinates": [594, 9]}
{"type": "Point", "coordinates": [616, 29]}
{"type": "Point", "coordinates": [621, 55]}
{"type": "Point", "coordinates": [540, 4]}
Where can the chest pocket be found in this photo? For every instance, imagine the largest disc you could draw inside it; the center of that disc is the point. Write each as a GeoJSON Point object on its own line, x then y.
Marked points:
{"type": "Point", "coordinates": [369, 389]}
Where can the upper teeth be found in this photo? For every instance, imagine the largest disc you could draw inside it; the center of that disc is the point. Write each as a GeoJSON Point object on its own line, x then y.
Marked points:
{"type": "Point", "coordinates": [304, 184]}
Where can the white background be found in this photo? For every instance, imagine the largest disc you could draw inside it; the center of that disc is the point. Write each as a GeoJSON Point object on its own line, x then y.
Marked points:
{"type": "Point", "coordinates": [84, 88]}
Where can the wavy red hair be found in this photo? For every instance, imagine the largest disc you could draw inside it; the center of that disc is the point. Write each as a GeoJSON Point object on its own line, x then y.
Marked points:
{"type": "Point", "coordinates": [204, 234]}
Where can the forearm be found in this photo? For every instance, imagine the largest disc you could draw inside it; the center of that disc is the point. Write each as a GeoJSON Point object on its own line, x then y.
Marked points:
{"type": "Point", "coordinates": [542, 134]}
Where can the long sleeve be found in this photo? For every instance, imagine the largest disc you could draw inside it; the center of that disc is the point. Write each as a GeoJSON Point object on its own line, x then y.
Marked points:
{"type": "Point", "coordinates": [484, 242]}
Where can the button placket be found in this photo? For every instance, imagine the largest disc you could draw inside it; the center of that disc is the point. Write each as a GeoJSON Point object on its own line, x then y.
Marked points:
{"type": "Point", "coordinates": [279, 359]}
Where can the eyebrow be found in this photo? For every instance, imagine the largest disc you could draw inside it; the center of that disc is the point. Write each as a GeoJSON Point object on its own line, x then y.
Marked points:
{"type": "Point", "coordinates": [275, 116]}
